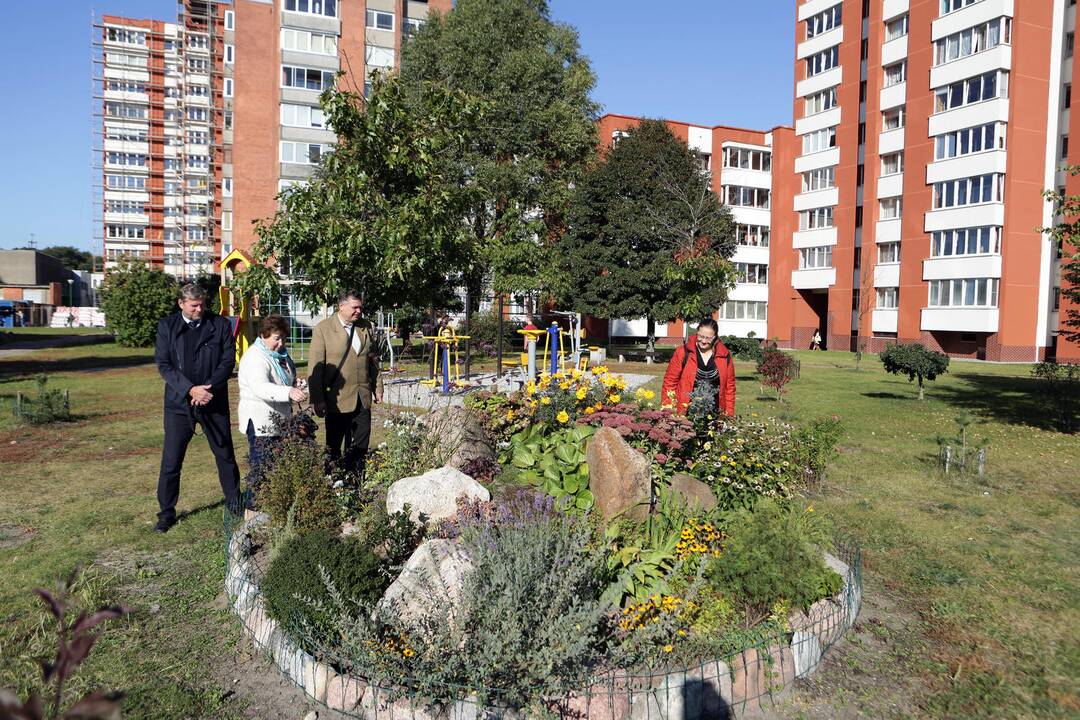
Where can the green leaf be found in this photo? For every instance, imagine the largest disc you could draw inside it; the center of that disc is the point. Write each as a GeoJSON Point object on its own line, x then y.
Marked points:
{"type": "Point", "coordinates": [522, 458]}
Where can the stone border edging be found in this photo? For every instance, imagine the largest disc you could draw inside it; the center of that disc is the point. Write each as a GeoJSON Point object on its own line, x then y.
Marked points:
{"type": "Point", "coordinates": [690, 694]}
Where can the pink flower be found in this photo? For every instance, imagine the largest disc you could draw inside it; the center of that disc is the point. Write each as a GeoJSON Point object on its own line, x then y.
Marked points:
{"type": "Point", "coordinates": [661, 458]}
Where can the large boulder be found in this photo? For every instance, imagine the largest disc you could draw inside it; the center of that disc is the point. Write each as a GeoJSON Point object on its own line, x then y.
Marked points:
{"type": "Point", "coordinates": [619, 476]}
{"type": "Point", "coordinates": [434, 494]}
{"type": "Point", "coordinates": [459, 436]}
{"type": "Point", "coordinates": [430, 583]}
{"type": "Point", "coordinates": [696, 494]}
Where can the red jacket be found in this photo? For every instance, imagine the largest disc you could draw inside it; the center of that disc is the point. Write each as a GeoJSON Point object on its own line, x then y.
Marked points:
{"type": "Point", "coordinates": [680, 376]}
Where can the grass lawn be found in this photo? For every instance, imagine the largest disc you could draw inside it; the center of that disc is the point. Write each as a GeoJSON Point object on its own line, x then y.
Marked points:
{"type": "Point", "coordinates": [971, 587]}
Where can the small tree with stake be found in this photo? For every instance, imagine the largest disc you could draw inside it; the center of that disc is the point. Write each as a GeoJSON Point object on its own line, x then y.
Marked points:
{"type": "Point", "coordinates": [776, 369]}
{"type": "Point", "coordinates": [915, 361]}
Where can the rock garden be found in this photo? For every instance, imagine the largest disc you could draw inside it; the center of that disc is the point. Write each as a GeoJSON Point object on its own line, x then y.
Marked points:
{"type": "Point", "coordinates": [568, 550]}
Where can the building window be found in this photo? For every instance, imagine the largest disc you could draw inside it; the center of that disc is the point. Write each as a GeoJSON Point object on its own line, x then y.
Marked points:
{"type": "Point", "coordinates": [965, 92]}
{"type": "Point", "coordinates": [891, 208]}
{"type": "Point", "coordinates": [198, 42]}
{"type": "Point", "coordinates": [302, 116]}
{"type": "Point", "coordinates": [896, 28]}
{"type": "Point", "coordinates": [198, 137]}
{"type": "Point", "coordinates": [126, 36]}
{"type": "Point", "coordinates": [198, 162]}
{"type": "Point", "coordinates": [823, 22]}
{"type": "Point", "coordinates": [198, 65]}
{"type": "Point", "coordinates": [822, 61]}
{"type": "Point", "coordinates": [969, 191]}
{"type": "Point", "coordinates": [1064, 147]}
{"type": "Point", "coordinates": [990, 136]}
{"type": "Point", "coordinates": [171, 164]}
{"type": "Point", "coordinates": [198, 114]}
{"type": "Point", "coordinates": [303, 153]}
{"type": "Point", "coordinates": [377, 20]}
{"type": "Point", "coordinates": [228, 87]}
{"type": "Point", "coordinates": [896, 73]}
{"type": "Point", "coordinates": [125, 182]}
{"type": "Point", "coordinates": [740, 196]}
{"type": "Point", "coordinates": [1066, 96]}
{"type": "Point", "coordinates": [747, 159]}
{"type": "Point", "coordinates": [888, 253]}
{"type": "Point", "coordinates": [228, 119]}
{"type": "Point", "coordinates": [892, 163]}
{"type": "Point", "coordinates": [751, 273]}
{"type": "Point", "coordinates": [113, 58]}
{"type": "Point", "coordinates": [752, 235]}
{"type": "Point", "coordinates": [128, 86]}
{"type": "Point", "coordinates": [132, 159]}
{"type": "Point", "coordinates": [226, 219]}
{"type": "Point", "coordinates": [125, 207]}
{"type": "Point", "coordinates": [226, 187]}
{"type": "Point", "coordinates": [815, 257]}
{"type": "Point", "coordinates": [893, 119]}
{"type": "Point", "coordinates": [888, 298]}
{"type": "Point", "coordinates": [126, 134]}
{"type": "Point", "coordinates": [948, 6]}
{"type": "Point", "coordinates": [968, 292]}
{"type": "Point", "coordinates": [824, 139]}
{"type": "Point", "coordinates": [821, 101]}
{"type": "Point", "coordinates": [125, 110]}
{"type": "Point", "coordinates": [816, 218]}
{"type": "Point", "coordinates": [379, 57]}
{"type": "Point", "coordinates": [230, 20]}
{"type": "Point", "coordinates": [230, 54]}
{"type": "Point", "coordinates": [743, 310]}
{"type": "Point", "coordinates": [198, 91]}
{"type": "Point", "coordinates": [973, 40]}
{"type": "Point", "coordinates": [306, 78]}
{"type": "Point", "coordinates": [327, 8]}
{"type": "Point", "coordinates": [412, 26]}
{"type": "Point", "coordinates": [125, 232]}
{"type": "Point", "coordinates": [966, 241]}
{"type": "Point", "coordinates": [1070, 39]}
{"type": "Point", "coordinates": [309, 42]}
{"type": "Point", "coordinates": [820, 179]}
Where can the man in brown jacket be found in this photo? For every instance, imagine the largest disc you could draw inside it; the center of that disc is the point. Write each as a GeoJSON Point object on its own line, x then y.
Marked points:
{"type": "Point", "coordinates": [344, 378]}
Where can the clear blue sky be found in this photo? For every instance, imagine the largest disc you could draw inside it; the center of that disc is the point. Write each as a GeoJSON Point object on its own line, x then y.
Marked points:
{"type": "Point", "coordinates": [703, 61]}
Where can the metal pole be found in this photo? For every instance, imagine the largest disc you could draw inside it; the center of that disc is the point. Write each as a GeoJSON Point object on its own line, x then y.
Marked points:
{"type": "Point", "coordinates": [499, 341]}
{"type": "Point", "coordinates": [468, 343]}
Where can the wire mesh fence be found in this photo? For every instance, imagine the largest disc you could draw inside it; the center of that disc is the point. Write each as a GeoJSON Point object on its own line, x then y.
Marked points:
{"type": "Point", "coordinates": [757, 677]}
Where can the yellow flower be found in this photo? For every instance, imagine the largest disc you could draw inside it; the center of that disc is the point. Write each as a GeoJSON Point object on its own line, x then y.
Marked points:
{"type": "Point", "coordinates": [668, 648]}
{"type": "Point", "coordinates": [615, 398]}
{"type": "Point", "coordinates": [532, 404]}
{"type": "Point", "coordinates": [598, 405]}
{"type": "Point", "coordinates": [545, 400]}
{"type": "Point", "coordinates": [509, 415]}
{"type": "Point", "coordinates": [562, 416]}
{"type": "Point", "coordinates": [576, 374]}
{"type": "Point", "coordinates": [590, 410]}
{"type": "Point", "coordinates": [408, 652]}
{"type": "Point", "coordinates": [581, 393]}
{"type": "Point", "coordinates": [564, 386]}
{"type": "Point", "coordinates": [810, 509]}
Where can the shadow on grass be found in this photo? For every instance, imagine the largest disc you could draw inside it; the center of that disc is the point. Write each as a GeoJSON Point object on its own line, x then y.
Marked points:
{"type": "Point", "coordinates": [17, 370]}
{"type": "Point", "coordinates": [889, 396]}
{"type": "Point", "coordinates": [181, 516]}
{"type": "Point", "coordinates": [1013, 400]}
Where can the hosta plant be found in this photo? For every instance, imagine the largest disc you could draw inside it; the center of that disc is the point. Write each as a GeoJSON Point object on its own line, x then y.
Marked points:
{"type": "Point", "coordinates": [554, 462]}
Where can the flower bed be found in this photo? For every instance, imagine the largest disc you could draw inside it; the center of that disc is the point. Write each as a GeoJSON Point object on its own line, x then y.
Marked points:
{"type": "Point", "coordinates": [599, 557]}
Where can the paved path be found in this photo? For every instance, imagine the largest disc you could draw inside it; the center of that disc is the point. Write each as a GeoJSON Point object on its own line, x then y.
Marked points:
{"type": "Point", "coordinates": [26, 343]}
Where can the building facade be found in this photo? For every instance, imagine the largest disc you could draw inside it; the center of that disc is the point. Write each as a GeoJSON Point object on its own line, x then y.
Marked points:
{"type": "Point", "coordinates": [204, 120]}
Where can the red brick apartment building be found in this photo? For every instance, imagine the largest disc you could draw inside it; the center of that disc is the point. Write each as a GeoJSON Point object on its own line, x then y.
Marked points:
{"type": "Point", "coordinates": [906, 202]}
{"type": "Point", "coordinates": [205, 118]}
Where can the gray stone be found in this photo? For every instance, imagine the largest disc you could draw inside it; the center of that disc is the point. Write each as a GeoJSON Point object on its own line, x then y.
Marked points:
{"type": "Point", "coordinates": [693, 492]}
{"type": "Point", "coordinates": [459, 436]}
{"type": "Point", "coordinates": [806, 648]}
{"type": "Point", "coordinates": [619, 476]}
{"type": "Point", "coordinates": [430, 583]}
{"type": "Point", "coordinates": [434, 494]}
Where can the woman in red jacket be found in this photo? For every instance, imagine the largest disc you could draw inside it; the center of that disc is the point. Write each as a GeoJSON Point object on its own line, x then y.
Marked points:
{"type": "Point", "coordinates": [702, 368]}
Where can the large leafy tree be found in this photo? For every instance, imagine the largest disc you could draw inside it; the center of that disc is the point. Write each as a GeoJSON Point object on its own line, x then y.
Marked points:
{"type": "Point", "coordinates": [648, 236]}
{"type": "Point", "coordinates": [539, 130]}
{"type": "Point", "coordinates": [382, 213]}
{"type": "Point", "coordinates": [1066, 236]}
{"type": "Point", "coordinates": [72, 257]}
{"type": "Point", "coordinates": [134, 297]}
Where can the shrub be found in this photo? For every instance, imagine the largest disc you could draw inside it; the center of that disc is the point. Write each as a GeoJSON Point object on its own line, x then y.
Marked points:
{"type": "Point", "coordinates": [747, 348]}
{"type": "Point", "coordinates": [747, 459]}
{"type": "Point", "coordinates": [1060, 382]}
{"type": "Point", "coordinates": [393, 536]}
{"type": "Point", "coordinates": [134, 298]}
{"type": "Point", "coordinates": [915, 361]}
{"type": "Point", "coordinates": [410, 448]}
{"type": "Point", "coordinates": [481, 469]}
{"type": "Point", "coordinates": [50, 406]}
{"type": "Point", "coordinates": [554, 462]}
{"type": "Point", "coordinates": [773, 556]}
{"type": "Point", "coordinates": [484, 334]}
{"type": "Point", "coordinates": [294, 588]}
{"type": "Point", "coordinates": [294, 482]}
{"type": "Point", "coordinates": [816, 444]}
{"type": "Point", "coordinates": [776, 369]}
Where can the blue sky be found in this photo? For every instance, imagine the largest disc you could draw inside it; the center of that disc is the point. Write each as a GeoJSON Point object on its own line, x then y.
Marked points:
{"type": "Point", "coordinates": [712, 62]}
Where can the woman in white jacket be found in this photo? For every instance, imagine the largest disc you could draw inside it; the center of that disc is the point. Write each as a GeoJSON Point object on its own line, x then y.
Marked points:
{"type": "Point", "coordinates": [268, 385]}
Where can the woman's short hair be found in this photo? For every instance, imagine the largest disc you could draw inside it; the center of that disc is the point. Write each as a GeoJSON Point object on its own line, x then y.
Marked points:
{"type": "Point", "coordinates": [273, 324]}
{"type": "Point", "coordinates": [709, 323]}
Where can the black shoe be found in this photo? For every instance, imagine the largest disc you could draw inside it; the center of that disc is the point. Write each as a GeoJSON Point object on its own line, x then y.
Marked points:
{"type": "Point", "coordinates": [163, 525]}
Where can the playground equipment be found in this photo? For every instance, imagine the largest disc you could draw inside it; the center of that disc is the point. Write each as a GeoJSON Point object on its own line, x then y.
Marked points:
{"type": "Point", "coordinates": [532, 335]}
{"type": "Point", "coordinates": [445, 341]}
{"type": "Point", "coordinates": [239, 313]}
{"type": "Point", "coordinates": [559, 347]}
{"type": "Point", "coordinates": [386, 330]}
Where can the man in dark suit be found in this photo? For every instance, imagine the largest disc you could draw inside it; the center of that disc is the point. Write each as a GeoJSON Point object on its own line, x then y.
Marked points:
{"type": "Point", "coordinates": [195, 352]}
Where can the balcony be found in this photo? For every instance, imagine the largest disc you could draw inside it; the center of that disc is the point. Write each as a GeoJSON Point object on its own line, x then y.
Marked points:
{"type": "Point", "coordinates": [891, 141]}
{"type": "Point", "coordinates": [969, 16]}
{"type": "Point", "coordinates": [815, 199]}
{"type": "Point", "coordinates": [962, 266]}
{"type": "Point", "coordinates": [819, 82]}
{"type": "Point", "coordinates": [894, 50]}
{"type": "Point", "coordinates": [980, 163]}
{"type": "Point", "coordinates": [960, 319]}
{"type": "Point", "coordinates": [819, 42]}
{"type": "Point", "coordinates": [893, 8]}
{"type": "Point", "coordinates": [893, 96]}
{"type": "Point", "coordinates": [813, 7]}
{"type": "Point", "coordinates": [742, 176]}
{"type": "Point", "coordinates": [969, 116]}
{"type": "Point", "coordinates": [817, 121]}
{"type": "Point", "coordinates": [813, 238]}
{"type": "Point", "coordinates": [996, 58]}
{"type": "Point", "coordinates": [884, 321]}
{"type": "Point", "coordinates": [887, 275]}
{"type": "Point", "coordinates": [967, 216]}
{"type": "Point", "coordinates": [751, 254]}
{"type": "Point", "coordinates": [890, 185]}
{"type": "Point", "coordinates": [887, 230]}
{"type": "Point", "coordinates": [813, 279]}
{"type": "Point", "coordinates": [814, 161]}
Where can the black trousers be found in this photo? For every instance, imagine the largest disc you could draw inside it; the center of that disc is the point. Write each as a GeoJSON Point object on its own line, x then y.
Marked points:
{"type": "Point", "coordinates": [178, 432]}
{"type": "Point", "coordinates": [353, 430]}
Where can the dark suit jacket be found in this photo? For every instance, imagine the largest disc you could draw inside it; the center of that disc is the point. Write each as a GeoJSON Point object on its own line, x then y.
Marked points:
{"type": "Point", "coordinates": [215, 358]}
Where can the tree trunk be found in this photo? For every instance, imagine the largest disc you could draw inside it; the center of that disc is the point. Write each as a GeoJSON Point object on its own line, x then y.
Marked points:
{"type": "Point", "coordinates": [650, 331]}
{"type": "Point", "coordinates": [921, 395]}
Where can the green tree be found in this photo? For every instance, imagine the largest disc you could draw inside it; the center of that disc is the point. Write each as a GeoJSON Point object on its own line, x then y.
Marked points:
{"type": "Point", "coordinates": [915, 361]}
{"type": "Point", "coordinates": [72, 257]}
{"type": "Point", "coordinates": [648, 236]}
{"type": "Point", "coordinates": [210, 282]}
{"type": "Point", "coordinates": [134, 297]}
{"type": "Point", "coordinates": [382, 212]}
{"type": "Point", "coordinates": [538, 133]}
{"type": "Point", "coordinates": [1065, 234]}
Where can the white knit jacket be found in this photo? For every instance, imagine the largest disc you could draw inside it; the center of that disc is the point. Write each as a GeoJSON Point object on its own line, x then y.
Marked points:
{"type": "Point", "coordinates": [261, 393]}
